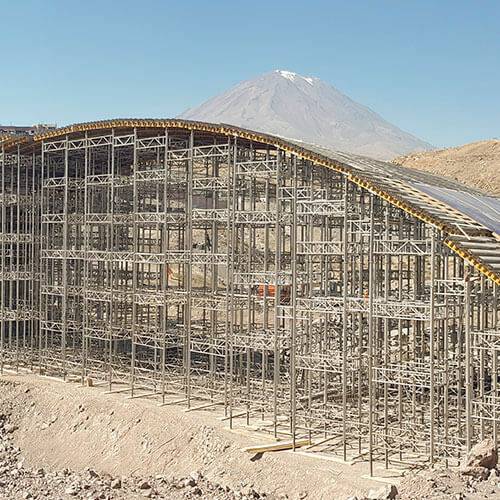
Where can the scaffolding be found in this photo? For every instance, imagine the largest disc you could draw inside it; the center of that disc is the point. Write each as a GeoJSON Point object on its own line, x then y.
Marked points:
{"type": "Point", "coordinates": [312, 297]}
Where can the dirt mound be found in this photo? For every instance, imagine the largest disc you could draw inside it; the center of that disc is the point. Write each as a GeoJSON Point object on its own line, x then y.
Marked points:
{"type": "Point", "coordinates": [63, 426]}
{"type": "Point", "coordinates": [476, 164]}
{"type": "Point", "coordinates": [20, 482]}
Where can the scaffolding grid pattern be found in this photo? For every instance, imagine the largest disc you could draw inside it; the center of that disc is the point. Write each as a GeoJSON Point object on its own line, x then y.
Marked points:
{"type": "Point", "coordinates": [172, 261]}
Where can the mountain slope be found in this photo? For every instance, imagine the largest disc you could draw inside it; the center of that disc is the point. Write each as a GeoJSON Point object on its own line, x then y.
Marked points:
{"type": "Point", "coordinates": [308, 109]}
{"type": "Point", "coordinates": [476, 164]}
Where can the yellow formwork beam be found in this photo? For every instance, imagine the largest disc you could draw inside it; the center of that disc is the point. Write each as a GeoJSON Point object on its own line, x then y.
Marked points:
{"type": "Point", "coordinates": [473, 261]}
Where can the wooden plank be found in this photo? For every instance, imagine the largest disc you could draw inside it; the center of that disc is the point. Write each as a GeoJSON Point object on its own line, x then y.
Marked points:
{"type": "Point", "coordinates": [280, 445]}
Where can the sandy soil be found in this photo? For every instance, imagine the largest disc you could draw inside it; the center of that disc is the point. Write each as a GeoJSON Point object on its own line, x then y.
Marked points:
{"type": "Point", "coordinates": [63, 425]}
{"type": "Point", "coordinates": [476, 164]}
{"type": "Point", "coordinates": [69, 441]}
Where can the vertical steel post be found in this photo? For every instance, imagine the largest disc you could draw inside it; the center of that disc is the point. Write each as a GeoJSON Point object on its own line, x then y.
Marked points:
{"type": "Point", "coordinates": [468, 359]}
{"type": "Point", "coordinates": [371, 292]}
{"type": "Point", "coordinates": [293, 340]}
{"type": "Point", "coordinates": [431, 343]}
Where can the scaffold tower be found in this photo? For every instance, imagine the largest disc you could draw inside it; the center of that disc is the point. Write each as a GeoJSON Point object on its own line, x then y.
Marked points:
{"type": "Point", "coordinates": [318, 294]}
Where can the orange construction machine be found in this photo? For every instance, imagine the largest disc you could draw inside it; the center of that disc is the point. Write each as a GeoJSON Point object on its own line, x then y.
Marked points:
{"type": "Point", "coordinates": [285, 292]}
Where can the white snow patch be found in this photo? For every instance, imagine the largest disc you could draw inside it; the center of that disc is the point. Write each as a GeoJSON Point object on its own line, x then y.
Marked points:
{"type": "Point", "coordinates": [287, 74]}
{"type": "Point", "coordinates": [290, 75]}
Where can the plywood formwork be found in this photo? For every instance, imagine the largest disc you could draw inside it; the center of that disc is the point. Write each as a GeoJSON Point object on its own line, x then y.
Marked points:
{"type": "Point", "coordinates": [319, 295]}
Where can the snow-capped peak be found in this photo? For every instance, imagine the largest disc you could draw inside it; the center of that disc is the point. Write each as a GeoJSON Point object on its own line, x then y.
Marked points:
{"type": "Point", "coordinates": [285, 103]}
{"type": "Point", "coordinates": [290, 75]}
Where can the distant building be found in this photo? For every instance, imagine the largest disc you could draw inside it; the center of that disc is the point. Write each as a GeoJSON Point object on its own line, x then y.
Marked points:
{"type": "Point", "coordinates": [34, 129]}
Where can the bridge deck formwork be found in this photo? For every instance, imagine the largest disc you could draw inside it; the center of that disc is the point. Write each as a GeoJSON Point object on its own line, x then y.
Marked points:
{"type": "Point", "coordinates": [174, 263]}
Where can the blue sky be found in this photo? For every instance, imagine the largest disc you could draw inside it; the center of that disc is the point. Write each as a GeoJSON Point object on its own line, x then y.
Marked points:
{"type": "Point", "coordinates": [430, 67]}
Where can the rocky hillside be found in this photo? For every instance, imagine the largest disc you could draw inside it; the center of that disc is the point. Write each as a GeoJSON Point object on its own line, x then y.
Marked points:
{"type": "Point", "coordinates": [476, 164]}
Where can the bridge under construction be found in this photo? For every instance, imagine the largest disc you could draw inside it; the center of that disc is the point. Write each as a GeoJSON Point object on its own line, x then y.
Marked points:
{"type": "Point", "coordinates": [311, 293]}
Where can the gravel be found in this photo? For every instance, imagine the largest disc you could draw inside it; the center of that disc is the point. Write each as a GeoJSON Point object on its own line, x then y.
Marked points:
{"type": "Point", "coordinates": [20, 482]}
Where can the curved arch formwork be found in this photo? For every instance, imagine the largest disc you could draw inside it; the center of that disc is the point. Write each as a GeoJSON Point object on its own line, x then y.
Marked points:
{"type": "Point", "coordinates": [325, 295]}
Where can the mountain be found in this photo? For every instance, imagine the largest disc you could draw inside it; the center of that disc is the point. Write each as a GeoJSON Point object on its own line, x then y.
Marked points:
{"type": "Point", "coordinates": [298, 107]}
{"type": "Point", "coordinates": [476, 164]}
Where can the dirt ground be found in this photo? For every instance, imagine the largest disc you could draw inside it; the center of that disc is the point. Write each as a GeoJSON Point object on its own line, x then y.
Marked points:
{"type": "Point", "coordinates": [86, 443]}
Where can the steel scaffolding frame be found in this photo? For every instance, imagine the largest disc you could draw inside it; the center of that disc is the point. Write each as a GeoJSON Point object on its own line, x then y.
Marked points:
{"type": "Point", "coordinates": [167, 261]}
